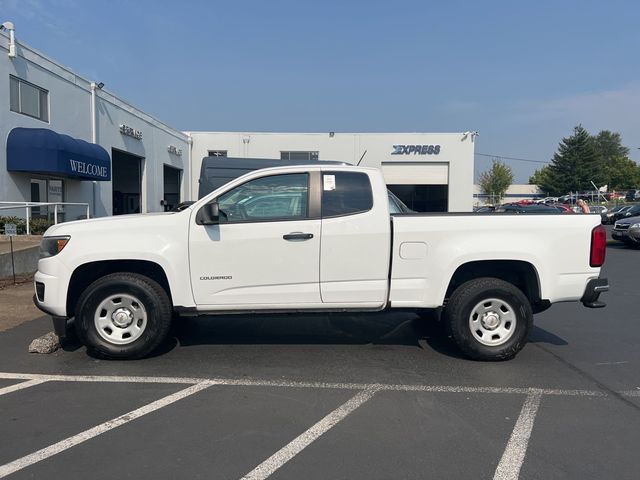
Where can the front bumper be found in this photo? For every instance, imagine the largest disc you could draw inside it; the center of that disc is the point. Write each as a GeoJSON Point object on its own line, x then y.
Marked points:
{"type": "Point", "coordinates": [50, 285]}
{"type": "Point", "coordinates": [60, 324]}
{"type": "Point", "coordinates": [595, 287]}
{"type": "Point", "coordinates": [631, 235]}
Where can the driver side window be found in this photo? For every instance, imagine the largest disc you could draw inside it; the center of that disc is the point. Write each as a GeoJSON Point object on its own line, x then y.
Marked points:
{"type": "Point", "coordinates": [278, 197]}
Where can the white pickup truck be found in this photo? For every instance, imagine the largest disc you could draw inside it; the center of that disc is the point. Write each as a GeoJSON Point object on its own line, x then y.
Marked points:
{"type": "Point", "coordinates": [314, 238]}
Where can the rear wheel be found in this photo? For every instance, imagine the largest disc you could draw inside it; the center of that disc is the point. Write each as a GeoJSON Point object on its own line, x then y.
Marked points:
{"type": "Point", "coordinates": [489, 319]}
{"type": "Point", "coordinates": [123, 315]}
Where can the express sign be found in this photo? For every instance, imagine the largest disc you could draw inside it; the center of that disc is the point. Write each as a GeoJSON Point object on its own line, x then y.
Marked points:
{"type": "Point", "coordinates": [416, 149]}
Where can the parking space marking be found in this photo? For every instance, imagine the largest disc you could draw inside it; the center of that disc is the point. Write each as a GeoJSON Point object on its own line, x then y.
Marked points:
{"type": "Point", "coordinates": [293, 448]}
{"type": "Point", "coordinates": [248, 382]}
{"type": "Point", "coordinates": [508, 467]}
{"type": "Point", "coordinates": [20, 386]}
{"type": "Point", "coordinates": [631, 393]}
{"type": "Point", "coordinates": [513, 456]}
{"type": "Point", "coordinates": [81, 437]}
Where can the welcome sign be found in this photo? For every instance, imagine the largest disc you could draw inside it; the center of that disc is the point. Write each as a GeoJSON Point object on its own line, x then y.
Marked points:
{"type": "Point", "coordinates": [91, 169]}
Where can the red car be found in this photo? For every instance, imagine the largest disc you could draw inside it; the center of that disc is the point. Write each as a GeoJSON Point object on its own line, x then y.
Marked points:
{"type": "Point", "coordinates": [563, 208]}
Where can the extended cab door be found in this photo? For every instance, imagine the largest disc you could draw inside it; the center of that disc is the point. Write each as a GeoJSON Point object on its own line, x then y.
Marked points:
{"type": "Point", "coordinates": [355, 249]}
{"type": "Point", "coordinates": [264, 250]}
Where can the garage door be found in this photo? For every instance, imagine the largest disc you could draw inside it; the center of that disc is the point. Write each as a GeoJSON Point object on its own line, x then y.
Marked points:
{"type": "Point", "coordinates": [415, 173]}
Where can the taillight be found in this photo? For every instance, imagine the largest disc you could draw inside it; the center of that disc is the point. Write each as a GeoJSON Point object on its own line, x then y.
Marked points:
{"type": "Point", "coordinates": [598, 246]}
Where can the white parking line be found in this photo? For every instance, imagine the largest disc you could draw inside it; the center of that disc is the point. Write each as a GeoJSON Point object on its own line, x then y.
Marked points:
{"type": "Point", "coordinates": [286, 453]}
{"type": "Point", "coordinates": [248, 382]}
{"type": "Point", "coordinates": [513, 456]}
{"type": "Point", "coordinates": [67, 443]}
{"type": "Point", "coordinates": [20, 386]}
{"type": "Point", "coordinates": [508, 468]}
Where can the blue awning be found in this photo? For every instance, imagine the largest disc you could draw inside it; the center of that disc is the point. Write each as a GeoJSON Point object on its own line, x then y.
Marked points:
{"type": "Point", "coordinates": [40, 150]}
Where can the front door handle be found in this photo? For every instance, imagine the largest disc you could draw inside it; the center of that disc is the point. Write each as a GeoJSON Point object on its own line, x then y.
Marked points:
{"type": "Point", "coordinates": [298, 236]}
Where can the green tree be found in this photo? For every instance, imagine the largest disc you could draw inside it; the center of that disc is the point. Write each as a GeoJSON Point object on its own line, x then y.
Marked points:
{"type": "Point", "coordinates": [539, 176]}
{"type": "Point", "coordinates": [618, 170]}
{"type": "Point", "coordinates": [575, 165]}
{"type": "Point", "coordinates": [496, 180]}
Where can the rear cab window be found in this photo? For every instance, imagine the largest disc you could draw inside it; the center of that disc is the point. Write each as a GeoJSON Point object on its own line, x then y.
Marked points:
{"type": "Point", "coordinates": [345, 193]}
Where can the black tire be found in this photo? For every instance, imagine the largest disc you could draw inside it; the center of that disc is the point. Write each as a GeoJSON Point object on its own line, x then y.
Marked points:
{"type": "Point", "coordinates": [468, 297]}
{"type": "Point", "coordinates": [150, 301]}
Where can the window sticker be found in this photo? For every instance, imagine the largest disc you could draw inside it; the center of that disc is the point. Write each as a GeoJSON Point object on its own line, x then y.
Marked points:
{"type": "Point", "coordinates": [329, 182]}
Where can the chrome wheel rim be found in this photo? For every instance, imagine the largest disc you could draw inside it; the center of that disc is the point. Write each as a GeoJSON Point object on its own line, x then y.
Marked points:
{"type": "Point", "coordinates": [120, 319]}
{"type": "Point", "coordinates": [492, 322]}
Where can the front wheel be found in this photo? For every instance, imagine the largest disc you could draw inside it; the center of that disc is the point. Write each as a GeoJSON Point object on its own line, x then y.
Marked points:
{"type": "Point", "coordinates": [489, 319]}
{"type": "Point", "coordinates": [123, 315]}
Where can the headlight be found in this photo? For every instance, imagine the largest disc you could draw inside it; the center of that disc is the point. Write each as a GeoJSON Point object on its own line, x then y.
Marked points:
{"type": "Point", "coordinates": [51, 246]}
{"type": "Point", "coordinates": [635, 225]}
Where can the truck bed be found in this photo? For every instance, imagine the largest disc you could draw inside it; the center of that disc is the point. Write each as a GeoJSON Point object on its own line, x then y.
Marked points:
{"type": "Point", "coordinates": [436, 244]}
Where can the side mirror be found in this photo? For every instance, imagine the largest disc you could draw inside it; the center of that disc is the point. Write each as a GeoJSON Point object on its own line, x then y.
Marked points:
{"type": "Point", "coordinates": [210, 214]}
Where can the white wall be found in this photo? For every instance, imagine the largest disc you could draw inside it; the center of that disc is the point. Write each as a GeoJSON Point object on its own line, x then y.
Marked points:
{"type": "Point", "coordinates": [70, 114]}
{"type": "Point", "coordinates": [456, 150]}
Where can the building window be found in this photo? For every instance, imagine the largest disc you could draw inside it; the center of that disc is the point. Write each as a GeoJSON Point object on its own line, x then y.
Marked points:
{"type": "Point", "coordinates": [28, 99]}
{"type": "Point", "coordinates": [47, 190]}
{"type": "Point", "coordinates": [217, 153]}
{"type": "Point", "coordinates": [300, 156]}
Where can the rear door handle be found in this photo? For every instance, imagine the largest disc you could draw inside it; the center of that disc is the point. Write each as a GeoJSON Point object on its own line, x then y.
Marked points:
{"type": "Point", "coordinates": [298, 236]}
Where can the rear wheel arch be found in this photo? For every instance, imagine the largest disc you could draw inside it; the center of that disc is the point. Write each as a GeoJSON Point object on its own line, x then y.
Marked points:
{"type": "Point", "coordinates": [519, 273]}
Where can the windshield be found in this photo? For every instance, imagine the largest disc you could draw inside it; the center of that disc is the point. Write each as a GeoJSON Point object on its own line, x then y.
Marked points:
{"type": "Point", "coordinates": [396, 205]}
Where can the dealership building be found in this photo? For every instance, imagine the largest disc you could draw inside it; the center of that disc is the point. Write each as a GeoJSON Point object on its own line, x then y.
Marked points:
{"type": "Point", "coordinates": [428, 171]}
{"type": "Point", "coordinates": [67, 139]}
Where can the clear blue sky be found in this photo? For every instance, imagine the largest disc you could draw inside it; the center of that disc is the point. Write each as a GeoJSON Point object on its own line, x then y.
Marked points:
{"type": "Point", "coordinates": [522, 74]}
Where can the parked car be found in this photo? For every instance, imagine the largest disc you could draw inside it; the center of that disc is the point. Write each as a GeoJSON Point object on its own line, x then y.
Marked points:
{"type": "Point", "coordinates": [599, 209]}
{"type": "Point", "coordinates": [485, 209]}
{"type": "Point", "coordinates": [632, 195]}
{"type": "Point", "coordinates": [562, 208]}
{"type": "Point", "coordinates": [629, 211]}
{"type": "Point", "coordinates": [125, 279]}
{"type": "Point", "coordinates": [627, 230]}
{"type": "Point", "coordinates": [591, 196]}
{"type": "Point", "coordinates": [608, 217]}
{"type": "Point", "coordinates": [615, 195]}
{"type": "Point", "coordinates": [548, 200]}
{"type": "Point", "coordinates": [396, 205]}
{"type": "Point", "coordinates": [525, 208]}
{"type": "Point", "coordinates": [567, 199]}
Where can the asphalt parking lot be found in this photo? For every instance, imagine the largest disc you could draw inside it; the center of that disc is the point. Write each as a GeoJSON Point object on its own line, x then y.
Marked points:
{"type": "Point", "coordinates": [334, 396]}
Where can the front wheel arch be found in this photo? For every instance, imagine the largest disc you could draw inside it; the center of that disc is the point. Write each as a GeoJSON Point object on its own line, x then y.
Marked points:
{"type": "Point", "coordinates": [87, 273]}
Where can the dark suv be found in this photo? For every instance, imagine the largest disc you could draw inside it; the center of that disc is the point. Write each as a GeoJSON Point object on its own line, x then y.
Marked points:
{"type": "Point", "coordinates": [633, 211]}
{"type": "Point", "coordinates": [632, 195]}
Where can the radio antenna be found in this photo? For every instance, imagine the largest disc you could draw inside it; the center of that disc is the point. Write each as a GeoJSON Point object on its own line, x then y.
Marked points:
{"type": "Point", "coordinates": [358, 164]}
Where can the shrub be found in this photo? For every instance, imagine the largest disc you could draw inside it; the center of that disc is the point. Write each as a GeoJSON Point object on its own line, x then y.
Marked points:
{"type": "Point", "coordinates": [20, 224]}
{"type": "Point", "coordinates": [37, 226]}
